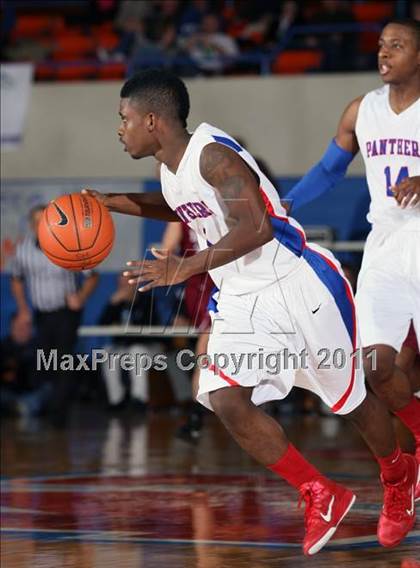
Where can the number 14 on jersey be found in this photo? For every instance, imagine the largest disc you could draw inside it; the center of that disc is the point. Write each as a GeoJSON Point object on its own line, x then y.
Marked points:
{"type": "Point", "coordinates": [403, 173]}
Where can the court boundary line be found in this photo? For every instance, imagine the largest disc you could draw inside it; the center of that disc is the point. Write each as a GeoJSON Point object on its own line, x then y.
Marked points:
{"type": "Point", "coordinates": [101, 537]}
{"type": "Point", "coordinates": [59, 476]}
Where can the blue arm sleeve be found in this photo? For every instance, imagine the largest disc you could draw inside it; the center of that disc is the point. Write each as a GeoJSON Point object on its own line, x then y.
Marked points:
{"type": "Point", "coordinates": [320, 178]}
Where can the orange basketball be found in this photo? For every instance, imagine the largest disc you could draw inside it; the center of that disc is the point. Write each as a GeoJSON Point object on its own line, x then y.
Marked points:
{"type": "Point", "coordinates": [76, 231]}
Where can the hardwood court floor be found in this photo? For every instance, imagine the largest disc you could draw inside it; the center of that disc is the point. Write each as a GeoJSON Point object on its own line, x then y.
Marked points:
{"type": "Point", "coordinates": [123, 492]}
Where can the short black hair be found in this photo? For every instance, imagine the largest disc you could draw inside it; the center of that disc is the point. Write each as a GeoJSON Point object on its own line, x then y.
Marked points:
{"type": "Point", "coordinates": [411, 23]}
{"type": "Point", "coordinates": [161, 91]}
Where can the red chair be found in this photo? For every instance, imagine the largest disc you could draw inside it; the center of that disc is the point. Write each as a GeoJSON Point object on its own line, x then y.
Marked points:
{"type": "Point", "coordinates": [77, 72]}
{"type": "Point", "coordinates": [297, 61]}
{"type": "Point", "coordinates": [106, 40]}
{"type": "Point", "coordinates": [34, 26]}
{"type": "Point", "coordinates": [373, 11]}
{"type": "Point", "coordinates": [112, 70]}
{"type": "Point", "coordinates": [73, 47]}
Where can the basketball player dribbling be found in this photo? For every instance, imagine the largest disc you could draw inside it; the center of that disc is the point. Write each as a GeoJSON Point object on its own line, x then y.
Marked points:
{"type": "Point", "coordinates": [276, 295]}
{"type": "Point", "coordinates": [385, 126]}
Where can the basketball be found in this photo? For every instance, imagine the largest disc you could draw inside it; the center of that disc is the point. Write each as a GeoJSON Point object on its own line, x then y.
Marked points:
{"type": "Point", "coordinates": [76, 231]}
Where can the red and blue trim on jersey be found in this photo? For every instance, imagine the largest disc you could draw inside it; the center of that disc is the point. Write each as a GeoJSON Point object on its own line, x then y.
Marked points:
{"type": "Point", "coordinates": [340, 289]}
{"type": "Point", "coordinates": [212, 303]}
{"type": "Point", "coordinates": [231, 382]}
{"type": "Point", "coordinates": [228, 142]}
{"type": "Point", "coordinates": [294, 240]}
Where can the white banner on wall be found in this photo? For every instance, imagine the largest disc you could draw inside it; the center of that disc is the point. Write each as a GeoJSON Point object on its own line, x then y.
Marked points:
{"type": "Point", "coordinates": [16, 82]}
{"type": "Point", "coordinates": [19, 196]}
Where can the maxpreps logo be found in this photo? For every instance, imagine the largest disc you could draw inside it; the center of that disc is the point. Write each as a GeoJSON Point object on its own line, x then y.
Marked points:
{"type": "Point", "coordinates": [87, 212]}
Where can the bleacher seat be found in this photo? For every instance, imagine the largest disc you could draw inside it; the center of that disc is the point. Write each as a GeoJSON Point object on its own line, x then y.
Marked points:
{"type": "Point", "coordinates": [105, 36]}
{"type": "Point", "coordinates": [35, 26]}
{"type": "Point", "coordinates": [112, 70]}
{"type": "Point", "coordinates": [372, 11]}
{"type": "Point", "coordinates": [297, 61]}
{"type": "Point", "coordinates": [73, 47]}
{"type": "Point", "coordinates": [77, 72]}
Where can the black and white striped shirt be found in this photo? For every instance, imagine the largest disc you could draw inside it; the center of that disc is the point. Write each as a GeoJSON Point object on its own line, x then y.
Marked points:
{"type": "Point", "coordinates": [48, 284]}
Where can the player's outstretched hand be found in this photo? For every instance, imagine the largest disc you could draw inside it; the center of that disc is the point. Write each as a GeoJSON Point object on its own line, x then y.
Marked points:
{"type": "Point", "coordinates": [96, 194]}
{"type": "Point", "coordinates": [407, 193]}
{"type": "Point", "coordinates": [166, 270]}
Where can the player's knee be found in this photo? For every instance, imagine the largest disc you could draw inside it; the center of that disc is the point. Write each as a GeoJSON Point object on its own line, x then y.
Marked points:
{"type": "Point", "coordinates": [364, 411]}
{"type": "Point", "coordinates": [379, 362]}
{"type": "Point", "coordinates": [229, 404]}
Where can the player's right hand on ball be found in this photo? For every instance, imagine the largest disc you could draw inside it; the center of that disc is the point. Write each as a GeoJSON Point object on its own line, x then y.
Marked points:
{"type": "Point", "coordinates": [96, 194]}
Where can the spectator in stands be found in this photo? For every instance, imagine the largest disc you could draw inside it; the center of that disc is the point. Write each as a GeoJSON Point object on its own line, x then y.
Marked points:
{"type": "Point", "coordinates": [250, 23]}
{"type": "Point", "coordinates": [210, 48]}
{"type": "Point", "coordinates": [162, 51]}
{"type": "Point", "coordinates": [166, 44]}
{"type": "Point", "coordinates": [286, 19]}
{"type": "Point", "coordinates": [149, 36]}
{"type": "Point", "coordinates": [339, 48]}
{"type": "Point", "coordinates": [151, 32]}
{"type": "Point", "coordinates": [164, 12]}
{"type": "Point", "coordinates": [130, 24]}
{"type": "Point", "coordinates": [132, 37]}
{"type": "Point", "coordinates": [127, 307]}
{"type": "Point", "coordinates": [192, 16]}
{"type": "Point", "coordinates": [57, 297]}
{"type": "Point", "coordinates": [21, 389]}
{"type": "Point", "coordinates": [130, 12]}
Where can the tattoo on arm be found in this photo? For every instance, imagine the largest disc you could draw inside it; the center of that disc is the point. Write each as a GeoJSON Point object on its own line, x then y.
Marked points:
{"type": "Point", "coordinates": [237, 185]}
{"type": "Point", "coordinates": [219, 167]}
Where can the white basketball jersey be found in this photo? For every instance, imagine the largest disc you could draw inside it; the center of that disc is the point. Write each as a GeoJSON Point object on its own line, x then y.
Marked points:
{"type": "Point", "coordinates": [200, 206]}
{"type": "Point", "coordinates": [390, 146]}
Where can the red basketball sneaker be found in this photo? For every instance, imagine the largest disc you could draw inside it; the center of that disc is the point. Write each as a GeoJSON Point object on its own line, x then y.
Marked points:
{"type": "Point", "coordinates": [417, 492]}
{"type": "Point", "coordinates": [410, 563]}
{"type": "Point", "coordinates": [398, 513]}
{"type": "Point", "coordinates": [327, 503]}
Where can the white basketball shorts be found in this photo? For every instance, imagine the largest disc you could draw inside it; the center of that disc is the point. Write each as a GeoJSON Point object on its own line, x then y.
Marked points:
{"type": "Point", "coordinates": [388, 291]}
{"type": "Point", "coordinates": [300, 331]}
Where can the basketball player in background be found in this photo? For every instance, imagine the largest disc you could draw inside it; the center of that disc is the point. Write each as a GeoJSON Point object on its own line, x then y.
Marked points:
{"type": "Point", "coordinates": [276, 295]}
{"type": "Point", "coordinates": [178, 238]}
{"type": "Point", "coordinates": [385, 126]}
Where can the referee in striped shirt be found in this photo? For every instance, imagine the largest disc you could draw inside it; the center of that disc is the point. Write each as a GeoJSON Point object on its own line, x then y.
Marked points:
{"type": "Point", "coordinates": [57, 297]}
